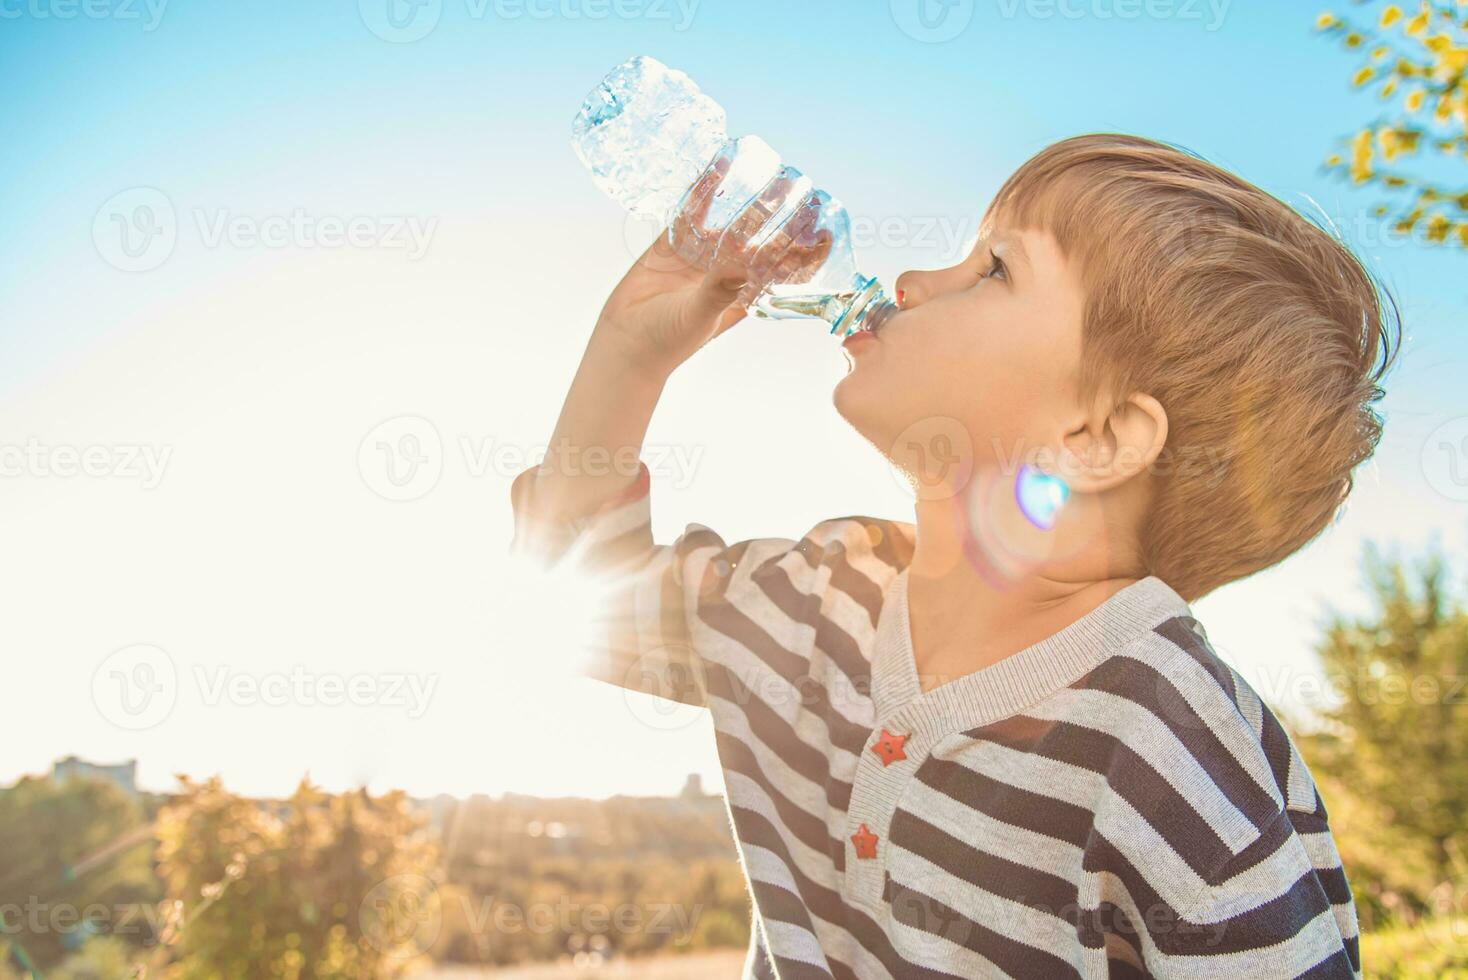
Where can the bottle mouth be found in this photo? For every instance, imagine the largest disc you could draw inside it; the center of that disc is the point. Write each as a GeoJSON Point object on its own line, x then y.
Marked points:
{"type": "Point", "coordinates": [868, 309]}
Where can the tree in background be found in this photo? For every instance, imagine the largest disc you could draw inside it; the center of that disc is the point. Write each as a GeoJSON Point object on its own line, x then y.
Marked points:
{"type": "Point", "coordinates": [1392, 757]}
{"type": "Point", "coordinates": [76, 863]}
{"type": "Point", "coordinates": [317, 886]}
{"type": "Point", "coordinates": [1415, 61]}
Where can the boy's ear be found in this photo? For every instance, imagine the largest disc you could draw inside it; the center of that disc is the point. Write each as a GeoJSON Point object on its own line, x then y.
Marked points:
{"type": "Point", "coordinates": [1113, 444]}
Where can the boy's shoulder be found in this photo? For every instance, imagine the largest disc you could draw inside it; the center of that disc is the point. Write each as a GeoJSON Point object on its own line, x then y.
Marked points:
{"type": "Point", "coordinates": [1224, 703]}
{"type": "Point", "coordinates": [1214, 744]}
{"type": "Point", "coordinates": [858, 534]}
{"type": "Point", "coordinates": [876, 547]}
{"type": "Point", "coordinates": [1171, 744]}
{"type": "Point", "coordinates": [1210, 709]}
{"type": "Point", "coordinates": [854, 556]}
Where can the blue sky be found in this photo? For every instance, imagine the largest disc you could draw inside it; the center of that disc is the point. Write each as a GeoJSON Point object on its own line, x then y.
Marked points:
{"type": "Point", "coordinates": [256, 357]}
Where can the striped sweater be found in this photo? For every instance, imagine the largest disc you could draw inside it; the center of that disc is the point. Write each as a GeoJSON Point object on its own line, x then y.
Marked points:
{"type": "Point", "coordinates": [1111, 801]}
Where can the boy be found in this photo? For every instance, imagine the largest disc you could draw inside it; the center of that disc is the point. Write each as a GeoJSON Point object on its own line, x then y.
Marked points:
{"type": "Point", "coordinates": [994, 741]}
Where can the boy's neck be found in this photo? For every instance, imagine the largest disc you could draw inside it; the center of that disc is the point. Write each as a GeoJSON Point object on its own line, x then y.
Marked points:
{"type": "Point", "coordinates": [981, 588]}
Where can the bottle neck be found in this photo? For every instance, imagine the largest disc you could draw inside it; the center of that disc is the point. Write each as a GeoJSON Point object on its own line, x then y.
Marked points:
{"type": "Point", "coordinates": [866, 310]}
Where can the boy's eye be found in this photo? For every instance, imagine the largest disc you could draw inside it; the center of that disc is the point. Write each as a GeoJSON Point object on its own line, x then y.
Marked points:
{"type": "Point", "coordinates": [996, 269]}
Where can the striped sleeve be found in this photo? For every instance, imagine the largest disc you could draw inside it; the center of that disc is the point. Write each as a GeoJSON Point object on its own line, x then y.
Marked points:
{"type": "Point", "coordinates": [641, 593]}
{"type": "Point", "coordinates": [1280, 908]}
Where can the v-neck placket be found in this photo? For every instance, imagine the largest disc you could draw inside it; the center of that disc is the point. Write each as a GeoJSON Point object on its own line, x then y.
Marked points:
{"type": "Point", "coordinates": [916, 721]}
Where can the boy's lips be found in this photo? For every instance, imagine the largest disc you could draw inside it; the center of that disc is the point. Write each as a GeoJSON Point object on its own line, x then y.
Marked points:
{"type": "Point", "coordinates": [858, 338]}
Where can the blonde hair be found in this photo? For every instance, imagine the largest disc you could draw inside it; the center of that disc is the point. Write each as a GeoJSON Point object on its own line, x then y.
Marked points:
{"type": "Point", "coordinates": [1261, 335]}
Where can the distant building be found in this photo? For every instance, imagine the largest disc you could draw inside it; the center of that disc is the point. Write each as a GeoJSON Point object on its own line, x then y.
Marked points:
{"type": "Point", "coordinates": [124, 774]}
{"type": "Point", "coordinates": [693, 787]}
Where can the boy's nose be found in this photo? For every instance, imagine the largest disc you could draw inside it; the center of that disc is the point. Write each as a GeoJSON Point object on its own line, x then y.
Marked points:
{"type": "Point", "coordinates": [916, 286]}
{"type": "Point", "coordinates": [906, 289]}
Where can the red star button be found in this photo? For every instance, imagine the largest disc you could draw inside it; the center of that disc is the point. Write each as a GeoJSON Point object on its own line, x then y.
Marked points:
{"type": "Point", "coordinates": [865, 841]}
{"type": "Point", "coordinates": [889, 748]}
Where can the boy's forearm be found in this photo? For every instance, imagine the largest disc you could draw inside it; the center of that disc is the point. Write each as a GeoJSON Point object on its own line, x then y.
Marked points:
{"type": "Point", "coordinates": [594, 450]}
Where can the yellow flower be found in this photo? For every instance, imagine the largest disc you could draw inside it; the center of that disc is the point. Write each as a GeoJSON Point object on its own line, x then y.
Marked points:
{"type": "Point", "coordinates": [1414, 100]}
{"type": "Point", "coordinates": [1361, 156]}
{"type": "Point", "coordinates": [1325, 21]}
{"type": "Point", "coordinates": [1363, 76]}
{"type": "Point", "coordinates": [1391, 15]}
{"type": "Point", "coordinates": [1386, 138]}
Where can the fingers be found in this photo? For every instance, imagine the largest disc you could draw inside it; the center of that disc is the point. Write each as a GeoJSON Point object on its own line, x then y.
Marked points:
{"type": "Point", "coordinates": [660, 258]}
{"type": "Point", "coordinates": [661, 247]}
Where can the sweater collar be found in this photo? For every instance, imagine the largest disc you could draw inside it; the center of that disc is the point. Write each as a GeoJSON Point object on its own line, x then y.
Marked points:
{"type": "Point", "coordinates": [1019, 680]}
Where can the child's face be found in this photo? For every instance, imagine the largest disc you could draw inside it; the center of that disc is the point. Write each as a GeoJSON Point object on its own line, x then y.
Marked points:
{"type": "Point", "coordinates": [987, 351]}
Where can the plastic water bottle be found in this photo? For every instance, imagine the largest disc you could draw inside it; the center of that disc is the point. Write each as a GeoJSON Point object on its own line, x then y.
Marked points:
{"type": "Point", "coordinates": [657, 145]}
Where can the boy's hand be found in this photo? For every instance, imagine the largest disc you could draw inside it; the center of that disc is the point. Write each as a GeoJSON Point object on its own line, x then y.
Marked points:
{"type": "Point", "coordinates": [665, 309]}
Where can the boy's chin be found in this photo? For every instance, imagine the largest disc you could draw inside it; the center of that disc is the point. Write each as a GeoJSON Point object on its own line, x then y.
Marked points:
{"type": "Point", "coordinates": [864, 407]}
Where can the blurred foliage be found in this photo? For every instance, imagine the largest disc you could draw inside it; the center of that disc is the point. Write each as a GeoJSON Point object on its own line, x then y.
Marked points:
{"type": "Point", "coordinates": [102, 958]}
{"type": "Point", "coordinates": [317, 886]}
{"type": "Point", "coordinates": [344, 886]}
{"type": "Point", "coordinates": [1414, 59]}
{"type": "Point", "coordinates": [1422, 952]}
{"type": "Point", "coordinates": [537, 879]}
{"type": "Point", "coordinates": [1391, 761]}
{"type": "Point", "coordinates": [77, 861]}
{"type": "Point", "coordinates": [8, 969]}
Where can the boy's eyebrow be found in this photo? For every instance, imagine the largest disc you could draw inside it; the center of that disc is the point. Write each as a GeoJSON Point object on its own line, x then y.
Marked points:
{"type": "Point", "coordinates": [1007, 246]}
{"type": "Point", "coordinates": [1012, 244]}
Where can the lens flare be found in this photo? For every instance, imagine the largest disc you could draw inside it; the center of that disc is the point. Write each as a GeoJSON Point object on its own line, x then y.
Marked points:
{"type": "Point", "coordinates": [1040, 496]}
